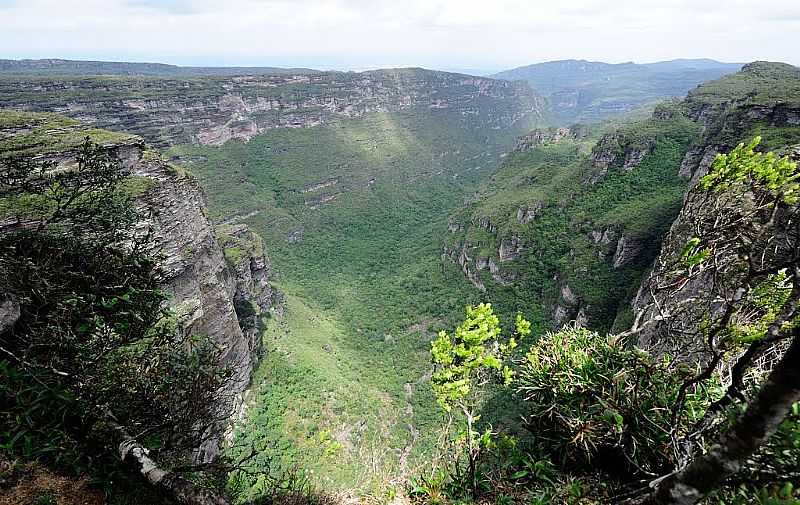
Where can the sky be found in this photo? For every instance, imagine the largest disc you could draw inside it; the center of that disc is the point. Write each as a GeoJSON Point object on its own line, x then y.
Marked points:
{"type": "Point", "coordinates": [458, 35]}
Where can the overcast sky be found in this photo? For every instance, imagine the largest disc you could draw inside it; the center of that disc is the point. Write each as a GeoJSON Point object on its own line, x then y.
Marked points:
{"type": "Point", "coordinates": [356, 34]}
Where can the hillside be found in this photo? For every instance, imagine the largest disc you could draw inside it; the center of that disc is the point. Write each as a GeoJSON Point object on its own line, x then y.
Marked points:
{"type": "Point", "coordinates": [387, 201]}
{"type": "Point", "coordinates": [351, 212]}
{"type": "Point", "coordinates": [574, 217]}
{"type": "Point", "coordinates": [586, 91]}
{"type": "Point", "coordinates": [206, 291]}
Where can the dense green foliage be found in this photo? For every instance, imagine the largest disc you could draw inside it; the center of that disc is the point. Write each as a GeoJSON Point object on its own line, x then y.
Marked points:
{"type": "Point", "coordinates": [594, 403]}
{"type": "Point", "coordinates": [352, 215]}
{"type": "Point", "coordinates": [473, 350]}
{"type": "Point", "coordinates": [562, 242]}
{"type": "Point", "coordinates": [757, 171]}
{"type": "Point", "coordinates": [470, 357]}
{"type": "Point", "coordinates": [600, 410]}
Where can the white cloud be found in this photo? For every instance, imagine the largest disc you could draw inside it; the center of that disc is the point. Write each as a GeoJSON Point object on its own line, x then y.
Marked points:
{"type": "Point", "coordinates": [433, 33]}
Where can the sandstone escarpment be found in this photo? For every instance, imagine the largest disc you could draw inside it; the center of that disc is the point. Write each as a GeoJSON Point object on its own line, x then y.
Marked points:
{"type": "Point", "coordinates": [211, 293]}
{"type": "Point", "coordinates": [216, 109]}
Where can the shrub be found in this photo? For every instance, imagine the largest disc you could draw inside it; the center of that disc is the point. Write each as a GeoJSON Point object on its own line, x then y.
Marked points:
{"type": "Point", "coordinates": [592, 401]}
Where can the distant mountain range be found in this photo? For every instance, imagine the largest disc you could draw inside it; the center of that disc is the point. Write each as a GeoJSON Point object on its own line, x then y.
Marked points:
{"type": "Point", "coordinates": [588, 91]}
{"type": "Point", "coordinates": [75, 67]}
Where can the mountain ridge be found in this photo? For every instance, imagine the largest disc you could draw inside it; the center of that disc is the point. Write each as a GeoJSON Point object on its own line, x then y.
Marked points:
{"type": "Point", "coordinates": [590, 91]}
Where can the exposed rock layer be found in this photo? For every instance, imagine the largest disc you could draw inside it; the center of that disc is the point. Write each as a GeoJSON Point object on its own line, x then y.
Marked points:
{"type": "Point", "coordinates": [215, 109]}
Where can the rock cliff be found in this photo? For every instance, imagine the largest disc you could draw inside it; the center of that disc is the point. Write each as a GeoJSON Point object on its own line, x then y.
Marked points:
{"type": "Point", "coordinates": [207, 290]}
{"type": "Point", "coordinates": [214, 109]}
{"type": "Point", "coordinates": [763, 99]}
{"type": "Point", "coordinates": [574, 215]}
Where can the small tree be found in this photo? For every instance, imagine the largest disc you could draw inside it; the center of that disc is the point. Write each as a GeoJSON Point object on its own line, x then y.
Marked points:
{"type": "Point", "coordinates": [469, 358]}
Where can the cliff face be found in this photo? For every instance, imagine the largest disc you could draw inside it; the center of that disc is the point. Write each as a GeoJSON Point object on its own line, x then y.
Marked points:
{"type": "Point", "coordinates": [215, 109]}
{"type": "Point", "coordinates": [212, 293]}
{"type": "Point", "coordinates": [763, 99]}
{"type": "Point", "coordinates": [573, 222]}
{"type": "Point", "coordinates": [205, 288]}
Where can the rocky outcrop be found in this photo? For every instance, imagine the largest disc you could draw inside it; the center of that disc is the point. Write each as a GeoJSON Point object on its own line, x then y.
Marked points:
{"type": "Point", "coordinates": [497, 274]}
{"type": "Point", "coordinates": [667, 320]}
{"type": "Point", "coordinates": [527, 214]}
{"type": "Point", "coordinates": [545, 136]}
{"type": "Point", "coordinates": [606, 152]}
{"type": "Point", "coordinates": [253, 296]}
{"type": "Point", "coordinates": [205, 290]}
{"type": "Point", "coordinates": [469, 265]}
{"type": "Point", "coordinates": [618, 150]}
{"type": "Point", "coordinates": [485, 223]}
{"type": "Point", "coordinates": [510, 249]}
{"type": "Point", "coordinates": [568, 307]}
{"type": "Point", "coordinates": [605, 241]}
{"type": "Point", "coordinates": [764, 96]}
{"type": "Point", "coordinates": [628, 251]}
{"type": "Point", "coordinates": [215, 109]}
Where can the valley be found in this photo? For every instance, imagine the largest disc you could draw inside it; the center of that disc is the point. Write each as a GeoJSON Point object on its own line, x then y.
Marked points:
{"type": "Point", "coordinates": [349, 179]}
{"type": "Point", "coordinates": [349, 217]}
{"type": "Point", "coordinates": [353, 214]}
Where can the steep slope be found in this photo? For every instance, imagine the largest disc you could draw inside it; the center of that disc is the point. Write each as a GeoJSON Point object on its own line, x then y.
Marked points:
{"type": "Point", "coordinates": [206, 291]}
{"type": "Point", "coordinates": [214, 109]}
{"type": "Point", "coordinates": [586, 91]}
{"type": "Point", "coordinates": [573, 218]}
{"type": "Point", "coordinates": [353, 211]}
{"type": "Point", "coordinates": [538, 241]}
{"type": "Point", "coordinates": [764, 100]}
{"type": "Point", "coordinates": [350, 179]}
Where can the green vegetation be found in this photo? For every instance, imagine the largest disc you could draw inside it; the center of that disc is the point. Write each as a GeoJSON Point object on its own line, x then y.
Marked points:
{"type": "Point", "coordinates": [354, 214]}
{"type": "Point", "coordinates": [562, 242]}
{"type": "Point", "coordinates": [597, 404]}
{"type": "Point", "coordinates": [468, 358]}
{"type": "Point", "coordinates": [745, 167]}
{"type": "Point", "coordinates": [41, 133]}
{"type": "Point", "coordinates": [626, 425]}
{"type": "Point", "coordinates": [85, 339]}
{"type": "Point", "coordinates": [237, 246]}
{"type": "Point", "coordinates": [758, 83]}
{"type": "Point", "coordinates": [351, 215]}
